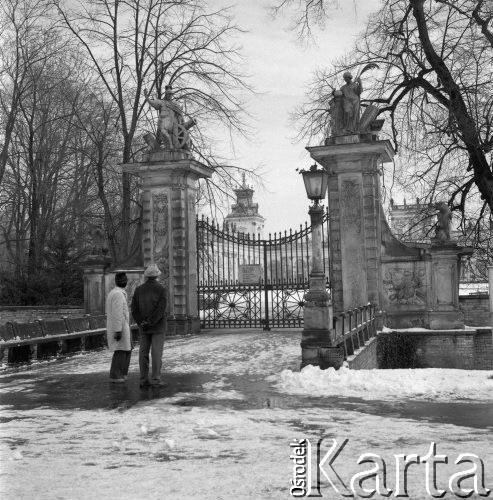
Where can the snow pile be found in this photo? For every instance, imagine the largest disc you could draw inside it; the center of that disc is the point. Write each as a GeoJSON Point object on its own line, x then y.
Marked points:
{"type": "Point", "coordinates": [429, 383]}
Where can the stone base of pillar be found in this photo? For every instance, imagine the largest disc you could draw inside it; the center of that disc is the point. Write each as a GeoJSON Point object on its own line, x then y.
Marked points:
{"type": "Point", "coordinates": [316, 337]}
{"type": "Point", "coordinates": [446, 320]}
{"type": "Point", "coordinates": [183, 326]}
{"type": "Point", "coordinates": [323, 357]}
{"type": "Point", "coordinates": [95, 278]}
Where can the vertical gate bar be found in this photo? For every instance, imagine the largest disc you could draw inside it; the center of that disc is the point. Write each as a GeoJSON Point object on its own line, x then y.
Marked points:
{"type": "Point", "coordinates": [286, 262]}
{"type": "Point", "coordinates": [226, 253]}
{"type": "Point", "coordinates": [212, 254]}
{"type": "Point", "coordinates": [292, 285]}
{"type": "Point", "coordinates": [291, 253]}
{"type": "Point", "coordinates": [242, 236]}
{"type": "Point", "coordinates": [253, 248]}
{"type": "Point", "coordinates": [302, 256]}
{"type": "Point", "coordinates": [297, 259]}
{"type": "Point", "coordinates": [223, 256]}
{"type": "Point", "coordinates": [215, 274]}
{"type": "Point", "coordinates": [250, 291]}
{"type": "Point", "coordinates": [216, 268]}
{"type": "Point", "coordinates": [258, 312]}
{"type": "Point", "coordinates": [273, 270]}
{"type": "Point", "coordinates": [286, 284]}
{"type": "Point", "coordinates": [234, 260]}
{"type": "Point", "coordinates": [308, 267]}
{"type": "Point", "coordinates": [266, 291]}
{"type": "Point", "coordinates": [274, 296]}
{"type": "Point", "coordinates": [248, 249]}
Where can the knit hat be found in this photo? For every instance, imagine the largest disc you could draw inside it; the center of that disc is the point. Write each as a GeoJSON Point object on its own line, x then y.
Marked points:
{"type": "Point", "coordinates": [121, 279]}
{"type": "Point", "coordinates": [152, 271]}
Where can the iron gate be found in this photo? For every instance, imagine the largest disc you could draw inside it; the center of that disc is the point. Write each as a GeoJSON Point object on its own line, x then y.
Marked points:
{"type": "Point", "coordinates": [247, 282]}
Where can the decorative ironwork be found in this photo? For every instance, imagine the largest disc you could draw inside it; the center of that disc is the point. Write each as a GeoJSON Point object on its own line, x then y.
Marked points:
{"type": "Point", "coordinates": [247, 282]}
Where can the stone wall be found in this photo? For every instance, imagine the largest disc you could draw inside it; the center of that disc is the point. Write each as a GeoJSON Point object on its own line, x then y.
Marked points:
{"type": "Point", "coordinates": [27, 314]}
{"type": "Point", "coordinates": [476, 309]}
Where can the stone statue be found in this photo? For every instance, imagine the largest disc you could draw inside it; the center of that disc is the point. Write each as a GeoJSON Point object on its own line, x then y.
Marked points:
{"type": "Point", "coordinates": [97, 240]}
{"type": "Point", "coordinates": [172, 130]}
{"type": "Point", "coordinates": [351, 92]}
{"type": "Point", "coordinates": [344, 108]}
{"type": "Point", "coordinates": [444, 217]}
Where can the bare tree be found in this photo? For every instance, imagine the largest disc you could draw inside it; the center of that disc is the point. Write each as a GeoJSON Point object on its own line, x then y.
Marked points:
{"type": "Point", "coordinates": [22, 45]}
{"type": "Point", "coordinates": [148, 43]}
{"type": "Point", "coordinates": [435, 85]}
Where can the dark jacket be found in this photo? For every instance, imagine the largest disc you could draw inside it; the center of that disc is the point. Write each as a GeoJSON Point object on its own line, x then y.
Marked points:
{"type": "Point", "coordinates": [149, 307]}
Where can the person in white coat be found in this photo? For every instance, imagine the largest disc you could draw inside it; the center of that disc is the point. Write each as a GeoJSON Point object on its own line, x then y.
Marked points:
{"type": "Point", "coordinates": [118, 329]}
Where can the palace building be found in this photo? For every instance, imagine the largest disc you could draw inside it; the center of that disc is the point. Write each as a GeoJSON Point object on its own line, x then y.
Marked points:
{"type": "Point", "coordinates": [244, 217]}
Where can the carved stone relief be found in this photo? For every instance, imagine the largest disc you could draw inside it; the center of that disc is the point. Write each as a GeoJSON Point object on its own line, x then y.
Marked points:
{"type": "Point", "coordinates": [405, 285]}
{"type": "Point", "coordinates": [160, 233]}
{"type": "Point", "coordinates": [350, 205]}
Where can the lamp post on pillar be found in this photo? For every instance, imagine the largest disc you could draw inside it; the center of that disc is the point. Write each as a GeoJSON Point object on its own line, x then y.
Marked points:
{"type": "Point", "coordinates": [316, 340]}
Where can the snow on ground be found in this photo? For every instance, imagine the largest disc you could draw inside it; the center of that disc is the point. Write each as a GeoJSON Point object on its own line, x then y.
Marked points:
{"type": "Point", "coordinates": [428, 383]}
{"type": "Point", "coordinates": [221, 431]}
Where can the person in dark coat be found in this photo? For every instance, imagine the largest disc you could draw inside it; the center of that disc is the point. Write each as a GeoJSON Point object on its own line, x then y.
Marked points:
{"type": "Point", "coordinates": [149, 312]}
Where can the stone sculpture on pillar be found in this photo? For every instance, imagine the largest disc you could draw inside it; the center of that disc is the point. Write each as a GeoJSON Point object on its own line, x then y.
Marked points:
{"type": "Point", "coordinates": [172, 129]}
{"type": "Point", "coordinates": [444, 217]}
{"type": "Point", "coordinates": [344, 108]}
{"type": "Point", "coordinates": [351, 92]}
{"type": "Point", "coordinates": [97, 243]}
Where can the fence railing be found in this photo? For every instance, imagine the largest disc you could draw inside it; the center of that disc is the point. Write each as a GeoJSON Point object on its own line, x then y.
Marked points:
{"type": "Point", "coordinates": [354, 328]}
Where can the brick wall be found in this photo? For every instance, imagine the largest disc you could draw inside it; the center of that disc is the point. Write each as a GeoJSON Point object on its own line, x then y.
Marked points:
{"type": "Point", "coordinates": [462, 349]}
{"type": "Point", "coordinates": [483, 349]}
{"type": "Point", "coordinates": [366, 358]}
{"type": "Point", "coordinates": [476, 309]}
{"type": "Point", "coordinates": [445, 349]}
{"type": "Point", "coordinates": [21, 314]}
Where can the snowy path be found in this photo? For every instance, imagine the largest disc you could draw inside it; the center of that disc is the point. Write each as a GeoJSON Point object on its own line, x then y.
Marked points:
{"type": "Point", "coordinates": [221, 429]}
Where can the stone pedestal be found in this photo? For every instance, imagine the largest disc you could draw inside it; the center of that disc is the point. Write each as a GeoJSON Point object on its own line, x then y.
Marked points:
{"type": "Point", "coordinates": [444, 297]}
{"type": "Point", "coordinates": [95, 272]}
{"type": "Point", "coordinates": [169, 185]}
{"type": "Point", "coordinates": [354, 217]}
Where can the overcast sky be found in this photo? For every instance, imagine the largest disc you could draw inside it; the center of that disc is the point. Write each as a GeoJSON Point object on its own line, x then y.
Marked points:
{"type": "Point", "coordinates": [280, 67]}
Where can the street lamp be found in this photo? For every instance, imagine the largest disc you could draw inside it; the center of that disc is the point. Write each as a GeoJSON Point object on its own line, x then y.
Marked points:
{"type": "Point", "coordinates": [316, 343]}
{"type": "Point", "coordinates": [316, 181]}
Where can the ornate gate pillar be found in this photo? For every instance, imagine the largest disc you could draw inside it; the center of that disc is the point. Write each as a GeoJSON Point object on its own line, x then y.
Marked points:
{"type": "Point", "coordinates": [169, 184]}
{"type": "Point", "coordinates": [354, 217]}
